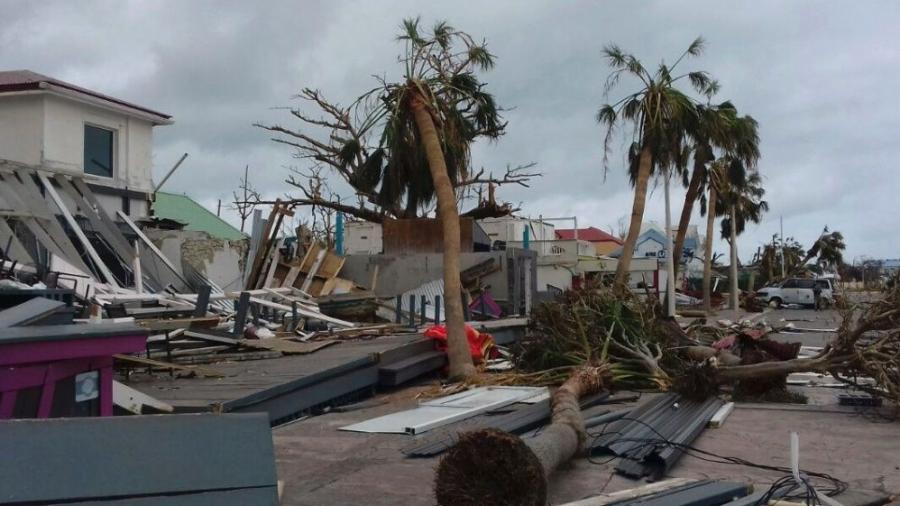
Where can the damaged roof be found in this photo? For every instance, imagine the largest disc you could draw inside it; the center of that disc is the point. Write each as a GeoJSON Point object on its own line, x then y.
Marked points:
{"type": "Point", "coordinates": [186, 210]}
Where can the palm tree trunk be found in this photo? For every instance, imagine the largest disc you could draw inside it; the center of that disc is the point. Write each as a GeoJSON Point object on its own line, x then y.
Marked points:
{"type": "Point", "coordinates": [492, 467]}
{"type": "Point", "coordinates": [637, 216]}
{"type": "Point", "coordinates": [733, 295]}
{"type": "Point", "coordinates": [689, 198]}
{"type": "Point", "coordinates": [707, 253]}
{"type": "Point", "coordinates": [458, 354]}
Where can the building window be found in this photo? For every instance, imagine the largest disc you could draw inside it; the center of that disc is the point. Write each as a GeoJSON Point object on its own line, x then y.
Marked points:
{"type": "Point", "coordinates": [98, 151]}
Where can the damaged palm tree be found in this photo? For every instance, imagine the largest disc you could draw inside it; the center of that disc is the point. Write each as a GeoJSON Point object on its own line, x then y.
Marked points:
{"type": "Point", "coordinates": [493, 467]}
{"type": "Point", "coordinates": [599, 323]}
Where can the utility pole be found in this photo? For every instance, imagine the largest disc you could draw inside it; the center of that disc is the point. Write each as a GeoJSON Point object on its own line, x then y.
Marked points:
{"type": "Point", "coordinates": [781, 220]}
{"type": "Point", "coordinates": [670, 257]}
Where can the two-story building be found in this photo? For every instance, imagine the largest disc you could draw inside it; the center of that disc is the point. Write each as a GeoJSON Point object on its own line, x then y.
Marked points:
{"type": "Point", "coordinates": [62, 128]}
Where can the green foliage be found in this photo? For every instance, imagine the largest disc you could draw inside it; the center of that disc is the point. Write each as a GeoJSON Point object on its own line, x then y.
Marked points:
{"type": "Point", "coordinates": [440, 67]}
{"type": "Point", "coordinates": [596, 325]}
{"type": "Point", "coordinates": [659, 113]}
{"type": "Point", "coordinates": [744, 191]}
{"type": "Point", "coordinates": [828, 249]}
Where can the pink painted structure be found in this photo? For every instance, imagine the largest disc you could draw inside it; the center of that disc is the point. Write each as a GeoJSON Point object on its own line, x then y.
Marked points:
{"type": "Point", "coordinates": [43, 356]}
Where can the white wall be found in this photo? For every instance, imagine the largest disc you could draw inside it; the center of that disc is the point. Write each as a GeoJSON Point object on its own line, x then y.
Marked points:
{"type": "Point", "coordinates": [362, 238]}
{"type": "Point", "coordinates": [64, 122]}
{"type": "Point", "coordinates": [21, 128]}
{"type": "Point", "coordinates": [559, 277]}
{"type": "Point", "coordinates": [512, 229]}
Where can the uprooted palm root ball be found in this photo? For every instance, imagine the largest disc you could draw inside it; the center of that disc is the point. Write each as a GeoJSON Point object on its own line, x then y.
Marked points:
{"type": "Point", "coordinates": [490, 467]}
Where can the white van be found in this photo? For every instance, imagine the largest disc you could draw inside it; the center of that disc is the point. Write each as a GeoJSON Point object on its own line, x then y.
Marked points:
{"type": "Point", "coordinates": [798, 291]}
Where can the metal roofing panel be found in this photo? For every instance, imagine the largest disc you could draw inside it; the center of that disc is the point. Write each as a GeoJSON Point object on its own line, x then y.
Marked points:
{"type": "Point", "coordinates": [439, 412]}
{"type": "Point", "coordinates": [198, 218]}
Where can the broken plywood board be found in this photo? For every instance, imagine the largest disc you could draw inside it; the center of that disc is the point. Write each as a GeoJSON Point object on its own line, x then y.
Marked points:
{"type": "Point", "coordinates": [134, 401]}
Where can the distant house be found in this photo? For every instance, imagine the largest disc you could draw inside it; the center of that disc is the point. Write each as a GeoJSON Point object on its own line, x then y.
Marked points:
{"type": "Point", "coordinates": [59, 127]}
{"type": "Point", "coordinates": [603, 242]}
{"type": "Point", "coordinates": [651, 243]}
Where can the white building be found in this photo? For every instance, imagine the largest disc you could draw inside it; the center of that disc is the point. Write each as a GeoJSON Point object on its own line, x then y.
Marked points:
{"type": "Point", "coordinates": [510, 229]}
{"type": "Point", "coordinates": [49, 124]}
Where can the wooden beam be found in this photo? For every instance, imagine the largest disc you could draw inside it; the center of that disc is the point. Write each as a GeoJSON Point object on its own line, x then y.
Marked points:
{"type": "Point", "coordinates": [312, 270]}
{"type": "Point", "coordinates": [200, 371]}
{"type": "Point", "coordinates": [146, 240]}
{"type": "Point", "coordinates": [85, 243]}
{"type": "Point", "coordinates": [133, 401]}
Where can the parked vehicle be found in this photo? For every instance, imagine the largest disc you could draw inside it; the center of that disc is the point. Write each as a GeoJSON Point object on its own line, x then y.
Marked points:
{"type": "Point", "coordinates": [799, 291]}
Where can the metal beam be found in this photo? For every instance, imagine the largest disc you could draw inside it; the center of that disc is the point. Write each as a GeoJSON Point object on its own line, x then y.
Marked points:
{"type": "Point", "coordinates": [85, 243]}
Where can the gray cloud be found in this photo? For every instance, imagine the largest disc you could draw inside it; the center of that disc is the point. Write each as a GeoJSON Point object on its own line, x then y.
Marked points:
{"type": "Point", "coordinates": [821, 78]}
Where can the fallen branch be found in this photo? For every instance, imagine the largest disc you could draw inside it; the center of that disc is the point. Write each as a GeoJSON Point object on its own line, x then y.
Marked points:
{"type": "Point", "coordinates": [492, 467]}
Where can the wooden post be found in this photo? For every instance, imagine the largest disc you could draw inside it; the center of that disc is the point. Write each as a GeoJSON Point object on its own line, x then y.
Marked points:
{"type": "Point", "coordinates": [422, 316]}
{"type": "Point", "coordinates": [138, 276]}
{"type": "Point", "coordinates": [412, 310]}
{"type": "Point", "coordinates": [437, 309]}
{"type": "Point", "coordinates": [202, 301]}
{"type": "Point", "coordinates": [240, 317]}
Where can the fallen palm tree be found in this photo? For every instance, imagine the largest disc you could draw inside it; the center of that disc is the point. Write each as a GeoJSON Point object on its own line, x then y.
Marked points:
{"type": "Point", "coordinates": [866, 345]}
{"type": "Point", "coordinates": [597, 324]}
{"type": "Point", "coordinates": [493, 467]}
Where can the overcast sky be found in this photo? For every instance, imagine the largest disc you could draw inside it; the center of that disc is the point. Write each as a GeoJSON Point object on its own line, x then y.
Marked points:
{"type": "Point", "coordinates": [822, 79]}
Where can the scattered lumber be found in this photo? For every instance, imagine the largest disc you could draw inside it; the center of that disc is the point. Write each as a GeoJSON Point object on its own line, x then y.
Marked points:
{"type": "Point", "coordinates": [198, 371]}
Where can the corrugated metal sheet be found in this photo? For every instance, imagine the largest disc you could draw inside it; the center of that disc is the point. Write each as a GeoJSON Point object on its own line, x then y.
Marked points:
{"type": "Point", "coordinates": [642, 439]}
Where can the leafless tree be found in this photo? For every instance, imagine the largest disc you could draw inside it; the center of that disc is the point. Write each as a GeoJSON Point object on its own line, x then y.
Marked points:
{"type": "Point", "coordinates": [247, 199]}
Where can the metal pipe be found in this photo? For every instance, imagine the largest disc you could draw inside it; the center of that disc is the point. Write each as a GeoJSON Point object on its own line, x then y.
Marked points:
{"type": "Point", "coordinates": [169, 174]}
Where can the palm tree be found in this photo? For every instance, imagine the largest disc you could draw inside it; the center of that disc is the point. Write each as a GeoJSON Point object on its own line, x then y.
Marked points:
{"type": "Point", "coordinates": [718, 129]}
{"type": "Point", "coordinates": [430, 119]}
{"type": "Point", "coordinates": [659, 114]}
{"type": "Point", "coordinates": [715, 176]}
{"type": "Point", "coordinates": [741, 202]}
{"type": "Point", "coordinates": [828, 248]}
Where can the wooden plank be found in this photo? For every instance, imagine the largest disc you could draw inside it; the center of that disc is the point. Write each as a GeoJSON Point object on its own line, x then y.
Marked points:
{"type": "Point", "coordinates": [179, 323]}
{"type": "Point", "coordinates": [199, 371]}
{"type": "Point", "coordinates": [331, 265]}
{"type": "Point", "coordinates": [134, 401]}
{"type": "Point", "coordinates": [273, 264]}
{"type": "Point", "coordinates": [312, 272]}
{"type": "Point", "coordinates": [265, 245]}
{"type": "Point", "coordinates": [632, 493]}
{"type": "Point", "coordinates": [291, 276]}
{"type": "Point", "coordinates": [718, 419]}
{"type": "Point", "coordinates": [146, 240]}
{"type": "Point", "coordinates": [85, 243]}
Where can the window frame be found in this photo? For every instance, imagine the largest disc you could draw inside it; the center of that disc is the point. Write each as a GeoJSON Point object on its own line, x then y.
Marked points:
{"type": "Point", "coordinates": [113, 155]}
